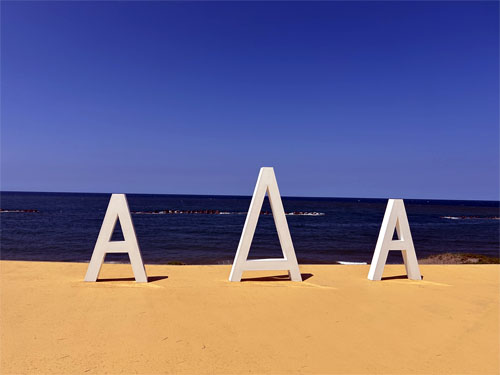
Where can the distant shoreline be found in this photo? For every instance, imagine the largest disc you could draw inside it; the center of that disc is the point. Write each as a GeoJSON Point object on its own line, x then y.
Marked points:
{"type": "Point", "coordinates": [445, 258]}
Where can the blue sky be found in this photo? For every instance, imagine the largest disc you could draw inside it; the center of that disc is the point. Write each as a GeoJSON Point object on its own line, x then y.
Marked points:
{"type": "Point", "coordinates": [344, 99]}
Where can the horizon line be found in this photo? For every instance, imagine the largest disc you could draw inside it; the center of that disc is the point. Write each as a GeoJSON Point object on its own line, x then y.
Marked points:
{"type": "Point", "coordinates": [248, 196]}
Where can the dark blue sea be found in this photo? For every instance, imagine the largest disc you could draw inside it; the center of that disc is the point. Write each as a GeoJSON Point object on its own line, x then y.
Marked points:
{"type": "Point", "coordinates": [66, 225]}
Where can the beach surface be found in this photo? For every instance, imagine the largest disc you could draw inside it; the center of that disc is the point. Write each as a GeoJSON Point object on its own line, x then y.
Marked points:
{"type": "Point", "coordinates": [192, 320]}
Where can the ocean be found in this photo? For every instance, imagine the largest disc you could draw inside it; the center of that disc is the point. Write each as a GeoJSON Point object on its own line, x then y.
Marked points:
{"type": "Point", "coordinates": [206, 229]}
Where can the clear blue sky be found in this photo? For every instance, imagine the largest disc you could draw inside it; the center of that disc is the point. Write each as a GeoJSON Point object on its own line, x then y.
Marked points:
{"type": "Point", "coordinates": [344, 99]}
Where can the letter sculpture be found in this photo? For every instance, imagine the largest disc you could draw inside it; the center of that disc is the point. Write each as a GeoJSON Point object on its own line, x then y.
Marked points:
{"type": "Point", "coordinates": [394, 218]}
{"type": "Point", "coordinates": [265, 183]}
{"type": "Point", "coordinates": [117, 210]}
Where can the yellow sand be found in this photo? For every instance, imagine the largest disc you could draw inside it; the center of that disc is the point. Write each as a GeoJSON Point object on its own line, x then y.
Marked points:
{"type": "Point", "coordinates": [197, 322]}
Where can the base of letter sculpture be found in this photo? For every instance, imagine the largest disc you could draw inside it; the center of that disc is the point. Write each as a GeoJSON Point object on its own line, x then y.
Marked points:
{"type": "Point", "coordinates": [394, 218]}
{"type": "Point", "coordinates": [117, 210]}
{"type": "Point", "coordinates": [265, 183]}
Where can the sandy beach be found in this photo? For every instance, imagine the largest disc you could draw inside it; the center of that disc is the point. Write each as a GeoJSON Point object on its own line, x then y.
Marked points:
{"type": "Point", "coordinates": [192, 320]}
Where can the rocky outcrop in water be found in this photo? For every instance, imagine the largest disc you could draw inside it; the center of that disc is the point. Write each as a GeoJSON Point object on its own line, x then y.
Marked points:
{"type": "Point", "coordinates": [459, 258]}
{"type": "Point", "coordinates": [218, 212]}
{"type": "Point", "coordinates": [3, 210]}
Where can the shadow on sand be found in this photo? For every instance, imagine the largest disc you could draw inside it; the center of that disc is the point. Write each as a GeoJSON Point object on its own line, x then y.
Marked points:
{"type": "Point", "coordinates": [151, 279]}
{"type": "Point", "coordinates": [397, 277]}
{"type": "Point", "coordinates": [305, 276]}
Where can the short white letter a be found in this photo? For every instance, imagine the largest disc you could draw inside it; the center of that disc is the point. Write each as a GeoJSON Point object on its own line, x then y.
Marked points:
{"type": "Point", "coordinates": [394, 218]}
{"type": "Point", "coordinates": [265, 182]}
{"type": "Point", "coordinates": [117, 210]}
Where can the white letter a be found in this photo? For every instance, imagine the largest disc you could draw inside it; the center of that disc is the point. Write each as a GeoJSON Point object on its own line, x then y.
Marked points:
{"type": "Point", "coordinates": [266, 182]}
{"type": "Point", "coordinates": [394, 218]}
{"type": "Point", "coordinates": [117, 210]}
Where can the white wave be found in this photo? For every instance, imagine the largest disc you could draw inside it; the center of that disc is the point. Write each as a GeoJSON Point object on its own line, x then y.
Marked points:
{"type": "Point", "coordinates": [305, 214]}
{"type": "Point", "coordinates": [347, 263]}
{"type": "Point", "coordinates": [470, 218]}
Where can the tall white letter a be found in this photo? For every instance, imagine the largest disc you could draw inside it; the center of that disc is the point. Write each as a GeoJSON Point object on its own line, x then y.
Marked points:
{"type": "Point", "coordinates": [265, 182]}
{"type": "Point", "coordinates": [117, 210]}
{"type": "Point", "coordinates": [394, 218]}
